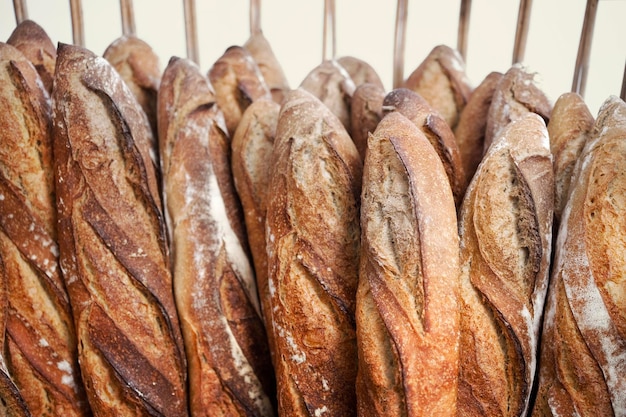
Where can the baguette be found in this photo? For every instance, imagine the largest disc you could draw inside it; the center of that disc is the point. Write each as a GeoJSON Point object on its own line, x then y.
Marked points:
{"type": "Point", "coordinates": [237, 81]}
{"type": "Point", "coordinates": [33, 41]}
{"type": "Point", "coordinates": [312, 236]}
{"type": "Point", "coordinates": [407, 301]}
{"type": "Point", "coordinates": [518, 92]}
{"type": "Point", "coordinates": [230, 372]}
{"type": "Point", "coordinates": [273, 74]}
{"type": "Point", "coordinates": [365, 113]}
{"type": "Point", "coordinates": [442, 81]}
{"type": "Point", "coordinates": [139, 67]}
{"type": "Point", "coordinates": [251, 150]}
{"type": "Point", "coordinates": [112, 243]}
{"type": "Point", "coordinates": [570, 126]}
{"type": "Point", "coordinates": [583, 349]}
{"type": "Point", "coordinates": [470, 131]}
{"type": "Point", "coordinates": [333, 86]}
{"type": "Point", "coordinates": [39, 343]}
{"type": "Point", "coordinates": [437, 131]}
{"type": "Point", "coordinates": [360, 71]}
{"type": "Point", "coordinates": [506, 236]}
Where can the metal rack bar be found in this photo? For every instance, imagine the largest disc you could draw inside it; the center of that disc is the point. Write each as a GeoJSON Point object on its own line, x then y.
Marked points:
{"type": "Point", "coordinates": [78, 25]}
{"type": "Point", "coordinates": [521, 34]}
{"type": "Point", "coordinates": [191, 33]}
{"type": "Point", "coordinates": [329, 47]}
{"type": "Point", "coordinates": [128, 17]}
{"type": "Point", "coordinates": [21, 11]}
{"type": "Point", "coordinates": [584, 48]}
{"type": "Point", "coordinates": [463, 34]}
{"type": "Point", "coordinates": [399, 45]}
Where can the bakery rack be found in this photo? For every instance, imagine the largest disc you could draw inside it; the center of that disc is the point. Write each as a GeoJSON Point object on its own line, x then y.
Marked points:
{"type": "Point", "coordinates": [467, 18]}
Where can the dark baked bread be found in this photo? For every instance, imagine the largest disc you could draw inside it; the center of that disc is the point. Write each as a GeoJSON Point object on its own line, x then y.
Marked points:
{"type": "Point", "coordinates": [112, 243]}
{"type": "Point", "coordinates": [365, 113]}
{"type": "Point", "coordinates": [506, 239]}
{"type": "Point", "coordinates": [360, 71]}
{"type": "Point", "coordinates": [33, 41]}
{"type": "Point", "coordinates": [440, 79]}
{"type": "Point", "coordinates": [407, 301]}
{"type": "Point", "coordinates": [312, 238]}
{"type": "Point", "coordinates": [273, 74]}
{"type": "Point", "coordinates": [39, 351]}
{"type": "Point", "coordinates": [230, 372]}
{"type": "Point", "coordinates": [583, 349]}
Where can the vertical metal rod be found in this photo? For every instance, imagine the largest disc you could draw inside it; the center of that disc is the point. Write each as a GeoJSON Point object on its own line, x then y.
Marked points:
{"type": "Point", "coordinates": [521, 34]}
{"type": "Point", "coordinates": [78, 27]}
{"type": "Point", "coordinates": [464, 20]}
{"type": "Point", "coordinates": [329, 47]}
{"type": "Point", "coordinates": [128, 17]}
{"type": "Point", "coordinates": [623, 93]}
{"type": "Point", "coordinates": [255, 17]}
{"type": "Point", "coordinates": [584, 48]}
{"type": "Point", "coordinates": [399, 43]}
{"type": "Point", "coordinates": [21, 11]}
{"type": "Point", "coordinates": [191, 34]}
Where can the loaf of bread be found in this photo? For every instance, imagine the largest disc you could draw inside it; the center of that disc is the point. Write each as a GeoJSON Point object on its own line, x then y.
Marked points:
{"type": "Point", "coordinates": [140, 68]}
{"type": "Point", "coordinates": [407, 301]}
{"type": "Point", "coordinates": [415, 108]}
{"type": "Point", "coordinates": [518, 92]}
{"type": "Point", "coordinates": [470, 130]}
{"type": "Point", "coordinates": [230, 372]}
{"type": "Point", "coordinates": [365, 112]}
{"type": "Point", "coordinates": [569, 129]}
{"type": "Point", "coordinates": [273, 74]}
{"type": "Point", "coordinates": [441, 79]}
{"type": "Point", "coordinates": [360, 71]}
{"type": "Point", "coordinates": [583, 349]}
{"type": "Point", "coordinates": [312, 237]}
{"type": "Point", "coordinates": [333, 86]}
{"type": "Point", "coordinates": [39, 350]}
{"type": "Point", "coordinates": [237, 81]}
{"type": "Point", "coordinates": [33, 41]}
{"type": "Point", "coordinates": [252, 148]}
{"type": "Point", "coordinates": [112, 243]}
{"type": "Point", "coordinates": [505, 227]}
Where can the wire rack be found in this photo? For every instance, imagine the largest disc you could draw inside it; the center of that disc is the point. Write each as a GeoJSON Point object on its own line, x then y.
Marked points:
{"type": "Point", "coordinates": [400, 45]}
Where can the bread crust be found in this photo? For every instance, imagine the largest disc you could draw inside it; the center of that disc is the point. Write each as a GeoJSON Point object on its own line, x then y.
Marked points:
{"type": "Point", "coordinates": [33, 41]}
{"type": "Point", "coordinates": [230, 372]}
{"type": "Point", "coordinates": [407, 300]}
{"type": "Point", "coordinates": [312, 237]}
{"type": "Point", "coordinates": [506, 239]}
{"type": "Point", "coordinates": [440, 79]}
{"type": "Point", "coordinates": [273, 73]}
{"type": "Point", "coordinates": [112, 241]}
{"type": "Point", "coordinates": [414, 107]}
{"type": "Point", "coordinates": [237, 81]}
{"type": "Point", "coordinates": [365, 112]}
{"type": "Point", "coordinates": [570, 127]}
{"type": "Point", "coordinates": [583, 352]}
{"type": "Point", "coordinates": [360, 71]}
{"type": "Point", "coordinates": [470, 130]}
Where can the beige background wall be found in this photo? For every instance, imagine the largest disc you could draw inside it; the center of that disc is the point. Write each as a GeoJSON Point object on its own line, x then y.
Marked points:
{"type": "Point", "coordinates": [365, 29]}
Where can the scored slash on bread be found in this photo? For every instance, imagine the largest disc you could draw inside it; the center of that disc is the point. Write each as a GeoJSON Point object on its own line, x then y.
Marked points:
{"type": "Point", "coordinates": [505, 226]}
{"type": "Point", "coordinates": [407, 301]}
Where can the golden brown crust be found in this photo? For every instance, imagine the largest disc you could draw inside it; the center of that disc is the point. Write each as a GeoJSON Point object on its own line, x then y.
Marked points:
{"type": "Point", "coordinates": [237, 81]}
{"type": "Point", "coordinates": [39, 342]}
{"type": "Point", "coordinates": [518, 92]}
{"type": "Point", "coordinates": [360, 71]}
{"type": "Point", "coordinates": [230, 372]}
{"type": "Point", "coordinates": [332, 85]}
{"type": "Point", "coordinates": [570, 126]}
{"type": "Point", "coordinates": [442, 81]}
{"type": "Point", "coordinates": [584, 347]}
{"type": "Point", "coordinates": [33, 41]}
{"type": "Point", "coordinates": [365, 113]}
{"type": "Point", "coordinates": [407, 302]}
{"type": "Point", "coordinates": [272, 71]}
{"type": "Point", "coordinates": [428, 120]}
{"type": "Point", "coordinates": [139, 67]}
{"type": "Point", "coordinates": [312, 244]}
{"type": "Point", "coordinates": [112, 243]}
{"type": "Point", "coordinates": [506, 235]}
{"type": "Point", "coordinates": [470, 130]}
{"type": "Point", "coordinates": [252, 148]}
